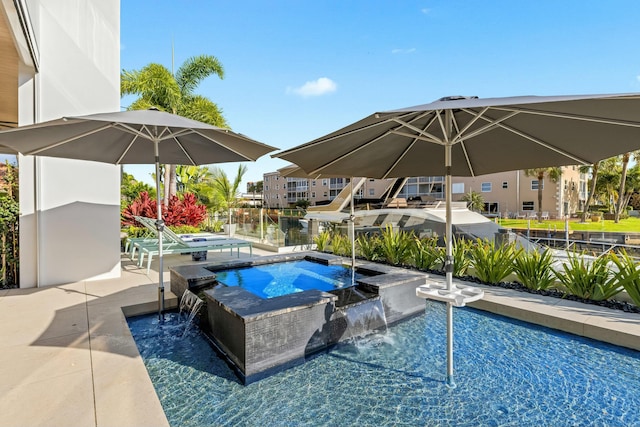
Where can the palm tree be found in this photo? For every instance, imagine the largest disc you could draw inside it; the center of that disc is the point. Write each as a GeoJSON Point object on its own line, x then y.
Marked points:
{"type": "Point", "coordinates": [623, 182]}
{"type": "Point", "coordinates": [632, 185]}
{"type": "Point", "coordinates": [227, 191]}
{"type": "Point", "coordinates": [475, 201]}
{"type": "Point", "coordinates": [594, 168]}
{"type": "Point", "coordinates": [607, 186]}
{"type": "Point", "coordinates": [608, 182]}
{"type": "Point", "coordinates": [188, 177]}
{"type": "Point", "coordinates": [255, 187]}
{"type": "Point", "coordinates": [554, 174]}
{"type": "Point", "coordinates": [158, 87]}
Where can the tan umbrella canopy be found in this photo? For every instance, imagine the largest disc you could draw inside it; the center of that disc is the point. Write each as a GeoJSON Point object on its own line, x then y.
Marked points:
{"type": "Point", "coordinates": [135, 137]}
{"type": "Point", "coordinates": [484, 136]}
{"type": "Point", "coordinates": [468, 136]}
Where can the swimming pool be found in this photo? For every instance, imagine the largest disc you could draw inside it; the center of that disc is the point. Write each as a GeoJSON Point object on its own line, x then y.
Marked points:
{"type": "Point", "coordinates": [284, 278]}
{"type": "Point", "coordinates": [508, 373]}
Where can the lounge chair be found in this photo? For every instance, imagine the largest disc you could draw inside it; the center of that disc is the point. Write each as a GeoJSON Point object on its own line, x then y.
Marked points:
{"type": "Point", "coordinates": [151, 237]}
{"type": "Point", "coordinates": [173, 243]}
{"type": "Point", "coordinates": [532, 215]}
{"type": "Point", "coordinates": [168, 237]}
{"type": "Point", "coordinates": [545, 215]}
{"type": "Point", "coordinates": [191, 247]}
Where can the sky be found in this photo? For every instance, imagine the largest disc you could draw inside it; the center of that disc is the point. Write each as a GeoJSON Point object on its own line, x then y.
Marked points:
{"type": "Point", "coordinates": [297, 70]}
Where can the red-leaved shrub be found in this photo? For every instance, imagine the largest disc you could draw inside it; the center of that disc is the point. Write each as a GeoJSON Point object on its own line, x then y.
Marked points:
{"type": "Point", "coordinates": [181, 211]}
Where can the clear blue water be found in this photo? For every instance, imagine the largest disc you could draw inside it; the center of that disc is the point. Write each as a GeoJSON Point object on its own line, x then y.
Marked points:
{"type": "Point", "coordinates": [283, 278]}
{"type": "Point", "coordinates": [508, 373]}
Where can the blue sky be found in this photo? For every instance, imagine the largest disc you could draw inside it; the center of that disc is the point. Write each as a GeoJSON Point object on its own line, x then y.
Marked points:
{"type": "Point", "coordinates": [296, 70]}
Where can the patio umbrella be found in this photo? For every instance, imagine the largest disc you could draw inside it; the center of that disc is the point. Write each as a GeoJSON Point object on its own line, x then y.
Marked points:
{"type": "Point", "coordinates": [135, 137]}
{"type": "Point", "coordinates": [468, 136]}
{"type": "Point", "coordinates": [293, 171]}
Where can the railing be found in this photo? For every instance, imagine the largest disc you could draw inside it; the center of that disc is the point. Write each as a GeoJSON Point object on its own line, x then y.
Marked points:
{"type": "Point", "coordinates": [599, 246]}
{"type": "Point", "coordinates": [273, 227]}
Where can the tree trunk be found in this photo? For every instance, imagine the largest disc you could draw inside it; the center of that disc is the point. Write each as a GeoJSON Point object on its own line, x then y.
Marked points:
{"type": "Point", "coordinates": [540, 187]}
{"type": "Point", "coordinates": [167, 178]}
{"type": "Point", "coordinates": [592, 190]}
{"type": "Point", "coordinates": [621, 190]}
{"type": "Point", "coordinates": [4, 266]}
{"type": "Point", "coordinates": [173, 181]}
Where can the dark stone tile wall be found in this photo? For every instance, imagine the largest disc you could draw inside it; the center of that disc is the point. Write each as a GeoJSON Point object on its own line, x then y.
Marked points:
{"type": "Point", "coordinates": [261, 336]}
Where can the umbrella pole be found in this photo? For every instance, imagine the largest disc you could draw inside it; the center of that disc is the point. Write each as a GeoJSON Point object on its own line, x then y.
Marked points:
{"type": "Point", "coordinates": [352, 233]}
{"type": "Point", "coordinates": [160, 227]}
{"type": "Point", "coordinates": [449, 247]}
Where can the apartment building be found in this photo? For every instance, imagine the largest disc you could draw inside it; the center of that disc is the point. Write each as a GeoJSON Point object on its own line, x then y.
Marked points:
{"type": "Point", "coordinates": [506, 193]}
{"type": "Point", "coordinates": [509, 193]}
{"type": "Point", "coordinates": [284, 192]}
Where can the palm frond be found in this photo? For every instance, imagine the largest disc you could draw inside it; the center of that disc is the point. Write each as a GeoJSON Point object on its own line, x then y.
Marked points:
{"type": "Point", "coordinates": [155, 84]}
{"type": "Point", "coordinates": [196, 69]}
{"type": "Point", "coordinates": [204, 110]}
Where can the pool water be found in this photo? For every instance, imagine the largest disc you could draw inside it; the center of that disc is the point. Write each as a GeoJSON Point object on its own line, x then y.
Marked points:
{"type": "Point", "coordinates": [283, 278]}
{"type": "Point", "coordinates": [508, 373]}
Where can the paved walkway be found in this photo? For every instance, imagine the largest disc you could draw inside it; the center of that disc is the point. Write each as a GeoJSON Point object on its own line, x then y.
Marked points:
{"type": "Point", "coordinates": [67, 357]}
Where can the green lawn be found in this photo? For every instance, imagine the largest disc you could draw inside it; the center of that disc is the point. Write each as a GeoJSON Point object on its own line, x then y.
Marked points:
{"type": "Point", "coordinates": [631, 225]}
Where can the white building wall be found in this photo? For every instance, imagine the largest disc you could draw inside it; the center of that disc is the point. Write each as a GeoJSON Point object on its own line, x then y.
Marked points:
{"type": "Point", "coordinates": [70, 209]}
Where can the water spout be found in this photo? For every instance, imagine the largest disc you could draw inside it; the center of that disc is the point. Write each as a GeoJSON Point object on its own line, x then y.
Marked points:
{"type": "Point", "coordinates": [190, 304]}
{"type": "Point", "coordinates": [365, 317]}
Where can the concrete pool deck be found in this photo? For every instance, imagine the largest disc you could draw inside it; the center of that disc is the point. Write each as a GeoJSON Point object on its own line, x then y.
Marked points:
{"type": "Point", "coordinates": [67, 357]}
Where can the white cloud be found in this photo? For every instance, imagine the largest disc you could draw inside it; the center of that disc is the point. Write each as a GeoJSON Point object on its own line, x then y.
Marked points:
{"type": "Point", "coordinates": [425, 10]}
{"type": "Point", "coordinates": [318, 87]}
{"type": "Point", "coordinates": [403, 51]}
{"type": "Point", "coordinates": [638, 78]}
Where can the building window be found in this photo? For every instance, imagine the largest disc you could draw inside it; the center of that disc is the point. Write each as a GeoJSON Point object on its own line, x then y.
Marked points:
{"type": "Point", "coordinates": [266, 188]}
{"type": "Point", "coordinates": [325, 194]}
{"type": "Point", "coordinates": [457, 188]}
{"type": "Point", "coordinates": [372, 191]}
{"type": "Point", "coordinates": [313, 183]}
{"type": "Point", "coordinates": [534, 184]}
{"type": "Point", "coordinates": [313, 194]}
{"type": "Point", "coordinates": [527, 206]}
{"type": "Point", "coordinates": [505, 184]}
{"type": "Point", "coordinates": [491, 207]}
{"type": "Point", "coordinates": [325, 182]}
{"type": "Point", "coordinates": [485, 187]}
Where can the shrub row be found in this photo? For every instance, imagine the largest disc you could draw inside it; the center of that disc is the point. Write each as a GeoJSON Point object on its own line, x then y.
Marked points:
{"type": "Point", "coordinates": [584, 276]}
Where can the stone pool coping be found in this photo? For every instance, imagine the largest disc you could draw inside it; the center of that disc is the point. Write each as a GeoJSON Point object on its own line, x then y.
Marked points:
{"type": "Point", "coordinates": [68, 358]}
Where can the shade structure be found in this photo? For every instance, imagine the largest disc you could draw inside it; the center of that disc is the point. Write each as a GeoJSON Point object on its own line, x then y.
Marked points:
{"type": "Point", "coordinates": [469, 136]}
{"type": "Point", "coordinates": [486, 136]}
{"type": "Point", "coordinates": [135, 137]}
